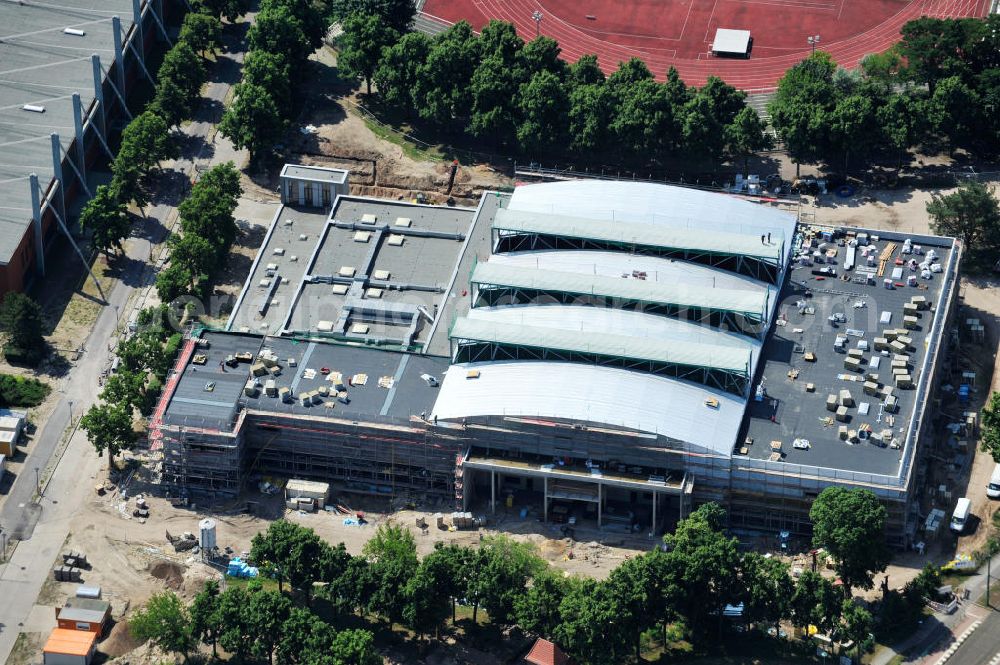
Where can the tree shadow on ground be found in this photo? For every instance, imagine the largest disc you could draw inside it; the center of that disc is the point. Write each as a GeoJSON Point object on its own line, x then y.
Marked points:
{"type": "Point", "coordinates": [168, 187]}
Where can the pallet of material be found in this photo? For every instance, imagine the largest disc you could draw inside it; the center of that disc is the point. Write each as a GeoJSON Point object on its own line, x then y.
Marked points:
{"type": "Point", "coordinates": [845, 398]}
{"type": "Point", "coordinates": [884, 257]}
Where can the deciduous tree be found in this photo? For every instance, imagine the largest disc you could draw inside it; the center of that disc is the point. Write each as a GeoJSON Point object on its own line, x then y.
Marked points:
{"type": "Point", "coordinates": [266, 613]}
{"type": "Point", "coordinates": [971, 213]}
{"type": "Point", "coordinates": [990, 442]}
{"type": "Point", "coordinates": [767, 588]}
{"type": "Point", "coordinates": [850, 525]}
{"type": "Point", "coordinates": [253, 120]}
{"type": "Point", "coordinates": [271, 72]}
{"type": "Point", "coordinates": [746, 135]}
{"type": "Point", "coordinates": [815, 601]}
{"type": "Point", "coordinates": [392, 561]}
{"type": "Point", "coordinates": [397, 14]}
{"type": "Point", "coordinates": [501, 568]}
{"type": "Point", "coordinates": [537, 609]}
{"type": "Point", "coordinates": [104, 216]}
{"type": "Point", "coordinates": [799, 109]}
{"type": "Point", "coordinates": [109, 428]}
{"type": "Point", "coordinates": [202, 32]}
{"type": "Point", "coordinates": [21, 320]}
{"type": "Point", "coordinates": [166, 622]}
{"type": "Point", "coordinates": [443, 89]}
{"type": "Point", "coordinates": [228, 9]}
{"type": "Point", "coordinates": [856, 624]}
{"type": "Point", "coordinates": [399, 70]}
{"type": "Point", "coordinates": [206, 619]}
{"type": "Point", "coordinates": [361, 45]}
{"type": "Point", "coordinates": [543, 106]}
{"type": "Point", "coordinates": [277, 29]}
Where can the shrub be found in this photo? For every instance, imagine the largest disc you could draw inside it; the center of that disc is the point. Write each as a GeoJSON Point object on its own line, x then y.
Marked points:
{"type": "Point", "coordinates": [19, 391]}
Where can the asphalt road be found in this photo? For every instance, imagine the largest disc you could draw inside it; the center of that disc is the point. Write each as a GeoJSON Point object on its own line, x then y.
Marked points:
{"type": "Point", "coordinates": [983, 646]}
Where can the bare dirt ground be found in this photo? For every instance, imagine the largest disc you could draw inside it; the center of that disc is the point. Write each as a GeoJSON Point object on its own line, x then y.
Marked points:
{"type": "Point", "coordinates": [339, 137]}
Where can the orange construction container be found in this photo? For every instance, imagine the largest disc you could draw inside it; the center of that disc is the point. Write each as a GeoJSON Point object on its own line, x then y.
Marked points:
{"type": "Point", "coordinates": [69, 646]}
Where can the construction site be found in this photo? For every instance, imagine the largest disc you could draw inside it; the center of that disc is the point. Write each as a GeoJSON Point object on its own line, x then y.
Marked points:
{"type": "Point", "coordinates": [598, 353]}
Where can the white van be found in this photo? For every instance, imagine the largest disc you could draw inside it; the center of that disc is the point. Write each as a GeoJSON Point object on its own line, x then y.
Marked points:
{"type": "Point", "coordinates": [961, 515]}
{"type": "Point", "coordinates": [993, 489]}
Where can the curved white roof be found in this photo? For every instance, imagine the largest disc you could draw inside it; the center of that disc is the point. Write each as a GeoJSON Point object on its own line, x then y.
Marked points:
{"type": "Point", "coordinates": [582, 318]}
{"type": "Point", "coordinates": [616, 264]}
{"type": "Point", "coordinates": [673, 292]}
{"type": "Point", "coordinates": [677, 207]}
{"type": "Point", "coordinates": [669, 233]}
{"type": "Point", "coordinates": [684, 352]}
{"type": "Point", "coordinates": [600, 395]}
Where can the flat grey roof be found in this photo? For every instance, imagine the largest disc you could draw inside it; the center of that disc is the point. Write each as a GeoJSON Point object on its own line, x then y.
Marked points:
{"type": "Point", "coordinates": [327, 271]}
{"type": "Point", "coordinates": [192, 404]}
{"type": "Point", "coordinates": [290, 223]}
{"type": "Point", "coordinates": [40, 65]}
{"type": "Point", "coordinates": [409, 395]}
{"type": "Point", "coordinates": [800, 414]}
{"type": "Point", "coordinates": [319, 173]}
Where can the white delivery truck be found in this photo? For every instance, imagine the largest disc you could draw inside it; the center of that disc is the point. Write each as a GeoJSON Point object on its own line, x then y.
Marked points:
{"type": "Point", "coordinates": [993, 488]}
{"type": "Point", "coordinates": [961, 515]}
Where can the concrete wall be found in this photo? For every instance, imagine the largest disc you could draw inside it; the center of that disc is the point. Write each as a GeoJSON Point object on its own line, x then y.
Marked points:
{"type": "Point", "coordinates": [314, 193]}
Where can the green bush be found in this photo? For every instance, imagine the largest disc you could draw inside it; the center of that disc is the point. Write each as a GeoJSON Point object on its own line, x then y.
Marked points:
{"type": "Point", "coordinates": [153, 389]}
{"type": "Point", "coordinates": [19, 391]}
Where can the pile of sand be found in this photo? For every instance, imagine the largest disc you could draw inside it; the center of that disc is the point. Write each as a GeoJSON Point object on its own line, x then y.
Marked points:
{"type": "Point", "coordinates": [171, 573]}
{"type": "Point", "coordinates": [119, 641]}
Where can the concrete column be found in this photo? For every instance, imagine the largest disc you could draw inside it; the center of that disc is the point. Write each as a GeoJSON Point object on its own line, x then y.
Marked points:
{"type": "Point", "coordinates": [302, 193]}
{"type": "Point", "coordinates": [493, 491]}
{"type": "Point", "coordinates": [36, 218]}
{"type": "Point", "coordinates": [60, 196]}
{"type": "Point", "coordinates": [99, 95]}
{"type": "Point", "coordinates": [139, 37]}
{"type": "Point", "coordinates": [652, 528]}
{"type": "Point", "coordinates": [81, 148]}
{"type": "Point", "coordinates": [600, 503]}
{"type": "Point", "coordinates": [116, 27]}
{"type": "Point", "coordinates": [545, 500]}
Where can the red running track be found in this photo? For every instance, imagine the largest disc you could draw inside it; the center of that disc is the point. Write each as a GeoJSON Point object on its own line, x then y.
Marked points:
{"type": "Point", "coordinates": [679, 33]}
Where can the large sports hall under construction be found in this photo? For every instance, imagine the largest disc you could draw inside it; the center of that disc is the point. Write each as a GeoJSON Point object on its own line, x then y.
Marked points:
{"type": "Point", "coordinates": [615, 351]}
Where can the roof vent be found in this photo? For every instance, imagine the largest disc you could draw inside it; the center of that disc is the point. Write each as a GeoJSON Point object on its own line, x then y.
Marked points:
{"type": "Point", "coordinates": [74, 31]}
{"type": "Point", "coordinates": [34, 108]}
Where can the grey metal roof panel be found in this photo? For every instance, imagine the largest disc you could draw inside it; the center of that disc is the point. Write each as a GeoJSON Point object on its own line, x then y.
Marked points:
{"type": "Point", "coordinates": [672, 293]}
{"type": "Point", "coordinates": [639, 233]}
{"type": "Point", "coordinates": [693, 354]}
